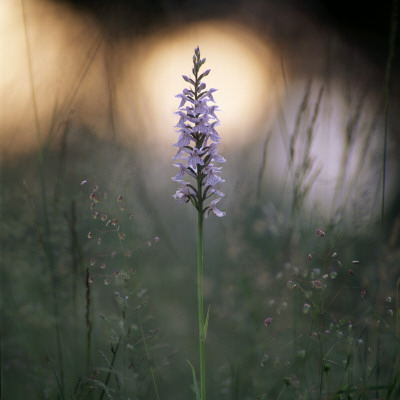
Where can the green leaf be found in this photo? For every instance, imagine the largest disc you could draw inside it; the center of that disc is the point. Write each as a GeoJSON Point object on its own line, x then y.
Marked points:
{"type": "Point", "coordinates": [60, 389]}
{"type": "Point", "coordinates": [195, 386]}
{"type": "Point", "coordinates": [205, 328]}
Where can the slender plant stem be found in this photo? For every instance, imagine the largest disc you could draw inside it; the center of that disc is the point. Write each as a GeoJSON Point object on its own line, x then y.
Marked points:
{"type": "Point", "coordinates": [114, 351]}
{"type": "Point", "coordinates": [200, 302]}
{"type": "Point", "coordinates": [148, 355]}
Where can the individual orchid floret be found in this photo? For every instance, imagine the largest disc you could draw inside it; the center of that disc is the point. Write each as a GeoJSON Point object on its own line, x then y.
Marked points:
{"type": "Point", "coordinates": [194, 159]}
{"type": "Point", "coordinates": [182, 170]}
{"type": "Point", "coordinates": [184, 139]}
{"type": "Point", "coordinates": [214, 209]}
{"type": "Point", "coordinates": [198, 142]}
{"type": "Point", "coordinates": [212, 179]}
{"type": "Point", "coordinates": [185, 193]}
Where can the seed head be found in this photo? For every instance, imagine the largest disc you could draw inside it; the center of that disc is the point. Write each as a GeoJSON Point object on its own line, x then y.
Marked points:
{"type": "Point", "coordinates": [320, 233]}
{"type": "Point", "coordinates": [268, 321]}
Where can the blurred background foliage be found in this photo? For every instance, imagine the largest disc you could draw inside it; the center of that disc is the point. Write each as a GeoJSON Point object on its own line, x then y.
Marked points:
{"type": "Point", "coordinates": [74, 108]}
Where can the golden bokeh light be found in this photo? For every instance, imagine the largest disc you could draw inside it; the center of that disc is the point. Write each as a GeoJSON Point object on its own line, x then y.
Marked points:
{"type": "Point", "coordinates": [243, 70]}
{"type": "Point", "coordinates": [57, 61]}
{"type": "Point", "coordinates": [46, 52]}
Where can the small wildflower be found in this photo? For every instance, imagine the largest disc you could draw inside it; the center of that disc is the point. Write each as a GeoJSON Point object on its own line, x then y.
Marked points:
{"type": "Point", "coordinates": [122, 236]}
{"type": "Point", "coordinates": [268, 321]}
{"type": "Point", "coordinates": [334, 255]}
{"type": "Point", "coordinates": [317, 284]}
{"type": "Point", "coordinates": [325, 277]}
{"type": "Point", "coordinates": [96, 214]}
{"type": "Point", "coordinates": [320, 233]}
{"type": "Point", "coordinates": [84, 182]}
{"type": "Point", "coordinates": [291, 284]}
{"type": "Point", "coordinates": [92, 262]}
{"type": "Point", "coordinates": [106, 281]}
{"type": "Point", "coordinates": [103, 266]}
{"type": "Point", "coordinates": [389, 312]}
{"type": "Point", "coordinates": [122, 207]}
{"type": "Point", "coordinates": [91, 279]}
{"type": "Point", "coordinates": [131, 215]}
{"type": "Point", "coordinates": [90, 235]}
{"type": "Point", "coordinates": [309, 256]}
{"type": "Point", "coordinates": [363, 293]}
{"type": "Point", "coordinates": [350, 326]}
{"type": "Point", "coordinates": [333, 274]}
{"type": "Point", "coordinates": [388, 300]}
{"type": "Point", "coordinates": [115, 221]}
{"type": "Point", "coordinates": [119, 198]}
{"type": "Point", "coordinates": [95, 188]}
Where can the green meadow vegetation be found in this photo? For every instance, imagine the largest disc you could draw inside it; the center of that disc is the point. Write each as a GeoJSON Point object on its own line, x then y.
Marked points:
{"type": "Point", "coordinates": [98, 276]}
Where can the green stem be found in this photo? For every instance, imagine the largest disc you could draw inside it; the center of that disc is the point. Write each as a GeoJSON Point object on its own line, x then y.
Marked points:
{"type": "Point", "coordinates": [200, 301]}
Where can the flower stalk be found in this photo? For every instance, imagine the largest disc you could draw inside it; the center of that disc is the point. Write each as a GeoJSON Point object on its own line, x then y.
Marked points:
{"type": "Point", "coordinates": [198, 152]}
{"type": "Point", "coordinates": [200, 305]}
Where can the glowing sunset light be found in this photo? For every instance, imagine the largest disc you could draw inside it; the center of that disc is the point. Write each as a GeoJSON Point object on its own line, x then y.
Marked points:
{"type": "Point", "coordinates": [126, 90]}
{"type": "Point", "coordinates": [242, 68]}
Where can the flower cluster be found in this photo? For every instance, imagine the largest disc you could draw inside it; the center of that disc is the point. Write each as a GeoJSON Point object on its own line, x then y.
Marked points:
{"type": "Point", "coordinates": [198, 143]}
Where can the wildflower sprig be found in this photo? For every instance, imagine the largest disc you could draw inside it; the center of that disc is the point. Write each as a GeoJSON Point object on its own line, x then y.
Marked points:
{"type": "Point", "coordinates": [109, 217]}
{"type": "Point", "coordinates": [198, 143]}
{"type": "Point", "coordinates": [198, 152]}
